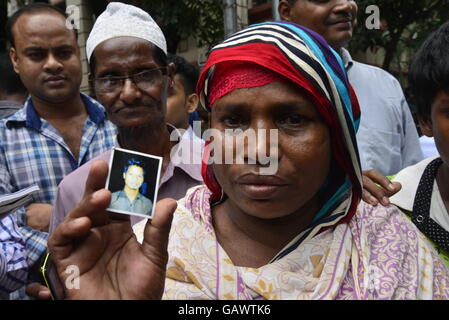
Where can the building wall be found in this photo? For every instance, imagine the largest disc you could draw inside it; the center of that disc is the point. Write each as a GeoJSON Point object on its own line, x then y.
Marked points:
{"type": "Point", "coordinates": [85, 24]}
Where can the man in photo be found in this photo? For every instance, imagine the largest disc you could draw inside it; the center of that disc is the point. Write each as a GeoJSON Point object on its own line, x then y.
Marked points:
{"type": "Point", "coordinates": [129, 198]}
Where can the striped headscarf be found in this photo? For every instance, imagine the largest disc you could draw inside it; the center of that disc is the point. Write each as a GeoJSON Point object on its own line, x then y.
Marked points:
{"type": "Point", "coordinates": [303, 57]}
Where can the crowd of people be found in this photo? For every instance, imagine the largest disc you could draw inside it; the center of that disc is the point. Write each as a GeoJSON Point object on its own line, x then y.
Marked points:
{"type": "Point", "coordinates": [328, 224]}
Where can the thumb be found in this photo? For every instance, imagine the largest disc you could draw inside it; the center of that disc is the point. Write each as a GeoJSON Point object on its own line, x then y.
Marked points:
{"type": "Point", "coordinates": [156, 233]}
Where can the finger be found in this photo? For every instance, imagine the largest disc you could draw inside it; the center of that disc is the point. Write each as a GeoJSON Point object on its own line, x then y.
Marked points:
{"type": "Point", "coordinates": [397, 187]}
{"type": "Point", "coordinates": [38, 291]}
{"type": "Point", "coordinates": [382, 181]}
{"type": "Point", "coordinates": [367, 197]}
{"type": "Point", "coordinates": [156, 232]}
{"type": "Point", "coordinates": [96, 179]}
{"type": "Point", "coordinates": [120, 217]}
{"type": "Point", "coordinates": [78, 223]}
{"type": "Point", "coordinates": [376, 193]}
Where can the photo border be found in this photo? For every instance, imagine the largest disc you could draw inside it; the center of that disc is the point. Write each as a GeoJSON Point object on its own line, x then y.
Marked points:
{"type": "Point", "coordinates": [157, 181]}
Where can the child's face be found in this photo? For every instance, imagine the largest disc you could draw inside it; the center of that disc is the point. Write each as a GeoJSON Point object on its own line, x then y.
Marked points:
{"type": "Point", "coordinates": [177, 113]}
{"type": "Point", "coordinates": [439, 126]}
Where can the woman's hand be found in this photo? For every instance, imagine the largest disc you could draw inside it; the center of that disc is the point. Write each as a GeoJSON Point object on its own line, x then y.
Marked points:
{"type": "Point", "coordinates": [111, 263]}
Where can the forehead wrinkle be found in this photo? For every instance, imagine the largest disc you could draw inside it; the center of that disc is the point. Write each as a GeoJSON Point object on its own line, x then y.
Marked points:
{"type": "Point", "coordinates": [118, 55]}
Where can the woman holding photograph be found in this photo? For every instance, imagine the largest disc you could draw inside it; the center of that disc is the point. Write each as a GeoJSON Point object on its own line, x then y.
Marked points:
{"type": "Point", "coordinates": [302, 233]}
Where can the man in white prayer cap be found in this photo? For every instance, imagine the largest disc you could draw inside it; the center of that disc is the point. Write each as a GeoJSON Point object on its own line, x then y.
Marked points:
{"type": "Point", "coordinates": [127, 53]}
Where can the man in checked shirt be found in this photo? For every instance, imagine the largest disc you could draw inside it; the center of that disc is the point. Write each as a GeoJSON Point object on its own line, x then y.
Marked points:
{"type": "Point", "coordinates": [58, 130]}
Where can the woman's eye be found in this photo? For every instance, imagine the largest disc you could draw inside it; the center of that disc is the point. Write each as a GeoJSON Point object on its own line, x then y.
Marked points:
{"type": "Point", "coordinates": [292, 120]}
{"type": "Point", "coordinates": [232, 121]}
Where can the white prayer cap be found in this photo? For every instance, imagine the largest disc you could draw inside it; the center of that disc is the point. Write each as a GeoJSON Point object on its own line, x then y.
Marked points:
{"type": "Point", "coordinates": [123, 20]}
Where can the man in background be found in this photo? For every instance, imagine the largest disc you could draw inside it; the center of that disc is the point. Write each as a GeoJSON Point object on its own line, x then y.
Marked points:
{"type": "Point", "coordinates": [387, 137]}
{"type": "Point", "coordinates": [12, 91]}
{"type": "Point", "coordinates": [58, 130]}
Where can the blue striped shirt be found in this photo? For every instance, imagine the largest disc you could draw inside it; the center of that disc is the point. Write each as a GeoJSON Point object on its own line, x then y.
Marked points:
{"type": "Point", "coordinates": [13, 257]}
{"type": "Point", "coordinates": [32, 152]}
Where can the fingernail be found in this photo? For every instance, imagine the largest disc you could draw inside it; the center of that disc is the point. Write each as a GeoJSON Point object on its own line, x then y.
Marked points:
{"type": "Point", "coordinates": [77, 222]}
{"type": "Point", "coordinates": [373, 201]}
{"type": "Point", "coordinates": [385, 201]}
{"type": "Point", "coordinates": [391, 187]}
{"type": "Point", "coordinates": [95, 195]}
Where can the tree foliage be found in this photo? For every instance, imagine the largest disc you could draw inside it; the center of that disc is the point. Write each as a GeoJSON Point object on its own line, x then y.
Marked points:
{"type": "Point", "coordinates": [179, 19]}
{"type": "Point", "coordinates": [404, 25]}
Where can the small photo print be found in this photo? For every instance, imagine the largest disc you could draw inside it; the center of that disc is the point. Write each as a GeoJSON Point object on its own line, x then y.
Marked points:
{"type": "Point", "coordinates": [133, 180]}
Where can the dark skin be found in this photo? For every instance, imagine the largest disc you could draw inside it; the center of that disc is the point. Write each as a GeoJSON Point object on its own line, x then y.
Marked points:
{"type": "Point", "coordinates": [103, 246]}
{"type": "Point", "coordinates": [180, 104]}
{"type": "Point", "coordinates": [105, 249]}
{"type": "Point", "coordinates": [137, 114]}
{"type": "Point", "coordinates": [335, 21]}
{"type": "Point", "coordinates": [264, 213]}
{"type": "Point", "coordinates": [47, 58]}
{"type": "Point", "coordinates": [260, 215]}
{"type": "Point", "coordinates": [113, 252]}
{"type": "Point", "coordinates": [437, 126]}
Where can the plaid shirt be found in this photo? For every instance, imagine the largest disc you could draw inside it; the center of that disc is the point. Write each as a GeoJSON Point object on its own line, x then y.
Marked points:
{"type": "Point", "coordinates": [33, 152]}
{"type": "Point", "coordinates": [13, 257]}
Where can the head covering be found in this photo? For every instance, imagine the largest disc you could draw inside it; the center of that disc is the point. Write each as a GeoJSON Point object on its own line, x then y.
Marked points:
{"type": "Point", "coordinates": [304, 58]}
{"type": "Point", "coordinates": [231, 75]}
{"type": "Point", "coordinates": [123, 20]}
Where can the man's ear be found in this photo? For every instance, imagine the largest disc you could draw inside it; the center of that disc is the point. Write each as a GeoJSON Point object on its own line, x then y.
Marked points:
{"type": "Point", "coordinates": [171, 69]}
{"type": "Point", "coordinates": [284, 9]}
{"type": "Point", "coordinates": [192, 103]}
{"type": "Point", "coordinates": [91, 82]}
{"type": "Point", "coordinates": [426, 125]}
{"type": "Point", "coordinates": [14, 59]}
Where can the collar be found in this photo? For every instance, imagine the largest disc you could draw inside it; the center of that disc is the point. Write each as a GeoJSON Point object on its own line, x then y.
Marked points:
{"type": "Point", "coordinates": [185, 155]}
{"type": "Point", "coordinates": [32, 119]}
{"type": "Point", "coordinates": [122, 194]}
{"type": "Point", "coordinates": [347, 59]}
{"type": "Point", "coordinates": [409, 179]}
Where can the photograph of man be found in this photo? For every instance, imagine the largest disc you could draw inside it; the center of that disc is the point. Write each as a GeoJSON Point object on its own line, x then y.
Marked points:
{"type": "Point", "coordinates": [131, 198]}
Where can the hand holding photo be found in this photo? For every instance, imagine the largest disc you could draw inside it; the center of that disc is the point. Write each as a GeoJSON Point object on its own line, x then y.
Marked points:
{"type": "Point", "coordinates": [133, 180]}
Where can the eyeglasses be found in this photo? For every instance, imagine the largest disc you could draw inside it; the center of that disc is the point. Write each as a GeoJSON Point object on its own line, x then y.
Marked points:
{"type": "Point", "coordinates": [145, 81]}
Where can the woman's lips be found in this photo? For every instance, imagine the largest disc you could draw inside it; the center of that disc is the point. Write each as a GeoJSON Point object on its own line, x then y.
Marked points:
{"type": "Point", "coordinates": [260, 187]}
{"type": "Point", "coordinates": [261, 191]}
